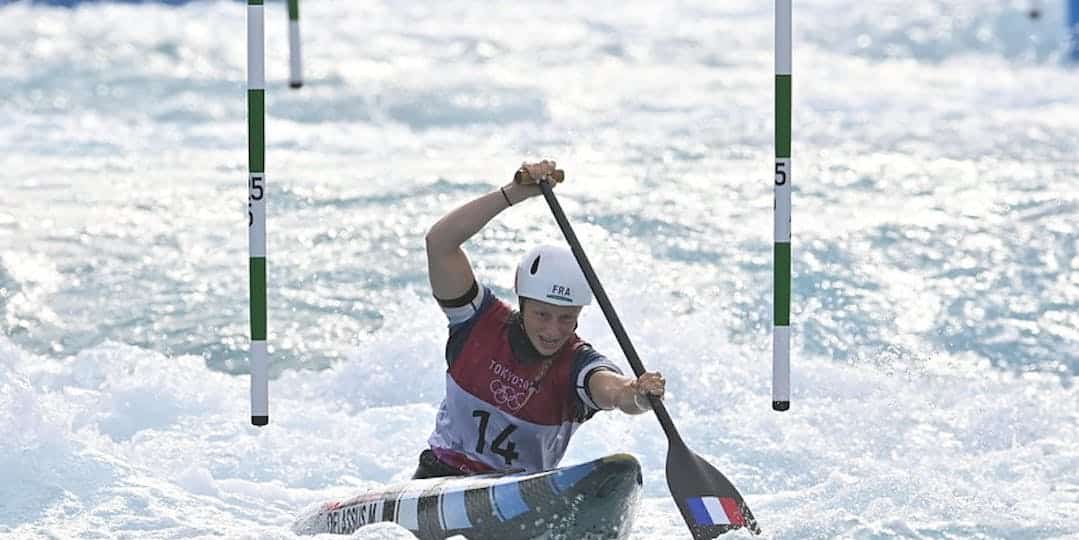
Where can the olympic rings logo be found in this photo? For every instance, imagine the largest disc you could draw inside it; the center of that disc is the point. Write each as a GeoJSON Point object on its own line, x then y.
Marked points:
{"type": "Point", "coordinates": [509, 396]}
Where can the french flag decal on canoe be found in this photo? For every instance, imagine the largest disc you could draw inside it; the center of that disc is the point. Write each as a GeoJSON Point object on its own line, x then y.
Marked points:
{"type": "Point", "coordinates": [716, 511]}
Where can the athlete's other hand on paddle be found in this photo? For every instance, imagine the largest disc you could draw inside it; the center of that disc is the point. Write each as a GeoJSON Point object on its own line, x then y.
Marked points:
{"type": "Point", "coordinates": [611, 390]}
{"type": "Point", "coordinates": [648, 384]}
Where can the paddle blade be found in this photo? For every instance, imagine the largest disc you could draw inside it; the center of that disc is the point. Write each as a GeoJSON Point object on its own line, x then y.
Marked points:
{"type": "Point", "coordinates": [708, 501]}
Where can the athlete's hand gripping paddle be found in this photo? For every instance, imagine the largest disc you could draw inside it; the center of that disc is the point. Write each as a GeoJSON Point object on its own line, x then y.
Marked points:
{"type": "Point", "coordinates": [524, 176]}
{"type": "Point", "coordinates": [709, 503]}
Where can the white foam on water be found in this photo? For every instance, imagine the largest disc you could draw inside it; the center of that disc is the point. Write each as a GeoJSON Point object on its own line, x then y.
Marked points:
{"type": "Point", "coordinates": [935, 301]}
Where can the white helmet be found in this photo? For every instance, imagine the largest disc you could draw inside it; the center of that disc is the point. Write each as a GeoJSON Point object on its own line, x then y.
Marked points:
{"type": "Point", "coordinates": [551, 274]}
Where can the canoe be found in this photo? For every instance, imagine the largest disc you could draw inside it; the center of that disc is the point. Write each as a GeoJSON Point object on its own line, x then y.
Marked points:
{"type": "Point", "coordinates": [594, 500]}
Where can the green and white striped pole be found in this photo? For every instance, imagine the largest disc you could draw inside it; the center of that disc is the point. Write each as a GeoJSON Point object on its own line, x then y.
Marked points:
{"type": "Point", "coordinates": [256, 211]}
{"type": "Point", "coordinates": [295, 79]}
{"type": "Point", "coordinates": [781, 329]}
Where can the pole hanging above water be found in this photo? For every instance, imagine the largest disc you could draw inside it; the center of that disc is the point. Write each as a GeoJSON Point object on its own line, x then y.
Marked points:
{"type": "Point", "coordinates": [295, 79]}
{"type": "Point", "coordinates": [781, 272]}
{"type": "Point", "coordinates": [256, 211]}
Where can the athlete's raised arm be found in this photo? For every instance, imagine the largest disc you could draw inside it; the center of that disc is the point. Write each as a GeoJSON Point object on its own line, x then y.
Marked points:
{"type": "Point", "coordinates": [448, 267]}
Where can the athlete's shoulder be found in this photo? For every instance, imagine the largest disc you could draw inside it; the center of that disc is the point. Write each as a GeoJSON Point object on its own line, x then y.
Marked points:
{"type": "Point", "coordinates": [584, 352]}
{"type": "Point", "coordinates": [587, 360]}
{"type": "Point", "coordinates": [466, 310]}
{"type": "Point", "coordinates": [493, 308]}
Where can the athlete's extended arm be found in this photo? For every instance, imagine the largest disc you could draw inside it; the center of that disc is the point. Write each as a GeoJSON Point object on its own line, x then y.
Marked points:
{"type": "Point", "coordinates": [447, 265]}
{"type": "Point", "coordinates": [610, 390]}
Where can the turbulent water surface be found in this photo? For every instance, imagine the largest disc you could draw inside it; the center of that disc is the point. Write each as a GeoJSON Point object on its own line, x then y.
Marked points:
{"type": "Point", "coordinates": [936, 258]}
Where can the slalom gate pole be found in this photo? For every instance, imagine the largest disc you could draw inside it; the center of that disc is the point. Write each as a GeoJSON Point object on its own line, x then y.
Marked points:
{"type": "Point", "coordinates": [781, 331]}
{"type": "Point", "coordinates": [295, 79]}
{"type": "Point", "coordinates": [256, 211]}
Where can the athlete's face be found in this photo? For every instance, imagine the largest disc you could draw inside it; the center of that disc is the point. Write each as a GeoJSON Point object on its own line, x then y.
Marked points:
{"type": "Point", "coordinates": [549, 326]}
